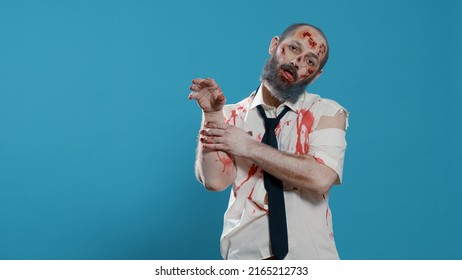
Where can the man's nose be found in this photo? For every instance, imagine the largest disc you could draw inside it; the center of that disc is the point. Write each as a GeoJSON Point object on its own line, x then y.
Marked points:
{"type": "Point", "coordinates": [296, 61]}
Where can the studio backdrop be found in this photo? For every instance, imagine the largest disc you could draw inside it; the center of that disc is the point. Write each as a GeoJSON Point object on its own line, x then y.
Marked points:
{"type": "Point", "coordinates": [98, 137]}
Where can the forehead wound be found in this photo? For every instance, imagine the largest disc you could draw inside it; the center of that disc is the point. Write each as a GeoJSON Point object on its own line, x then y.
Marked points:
{"type": "Point", "coordinates": [314, 40]}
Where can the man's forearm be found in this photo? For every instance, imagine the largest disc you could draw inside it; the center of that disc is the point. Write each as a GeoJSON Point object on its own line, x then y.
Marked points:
{"type": "Point", "coordinates": [299, 171]}
{"type": "Point", "coordinates": [214, 169]}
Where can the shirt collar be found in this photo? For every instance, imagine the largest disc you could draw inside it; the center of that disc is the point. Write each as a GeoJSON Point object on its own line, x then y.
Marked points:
{"type": "Point", "coordinates": [258, 100]}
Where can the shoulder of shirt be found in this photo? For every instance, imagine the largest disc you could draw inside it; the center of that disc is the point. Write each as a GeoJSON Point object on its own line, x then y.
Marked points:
{"type": "Point", "coordinates": [327, 106]}
{"type": "Point", "coordinates": [330, 102]}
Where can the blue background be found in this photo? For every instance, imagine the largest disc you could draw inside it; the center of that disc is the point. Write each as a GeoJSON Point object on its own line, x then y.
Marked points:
{"type": "Point", "coordinates": [97, 136]}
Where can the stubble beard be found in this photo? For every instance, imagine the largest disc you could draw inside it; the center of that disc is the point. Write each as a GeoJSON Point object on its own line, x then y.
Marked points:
{"type": "Point", "coordinates": [281, 89]}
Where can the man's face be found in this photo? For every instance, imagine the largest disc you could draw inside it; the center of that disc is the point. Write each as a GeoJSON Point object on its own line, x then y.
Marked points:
{"type": "Point", "coordinates": [294, 63]}
{"type": "Point", "coordinates": [299, 56]}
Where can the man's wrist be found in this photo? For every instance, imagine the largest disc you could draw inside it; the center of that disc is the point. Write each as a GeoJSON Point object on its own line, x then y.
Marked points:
{"type": "Point", "coordinates": [216, 116]}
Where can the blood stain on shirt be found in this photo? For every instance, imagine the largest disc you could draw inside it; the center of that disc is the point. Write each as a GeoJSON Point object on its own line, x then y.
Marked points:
{"type": "Point", "coordinates": [252, 171]}
{"type": "Point", "coordinates": [259, 207]}
{"type": "Point", "coordinates": [277, 130]}
{"type": "Point", "coordinates": [255, 203]}
{"type": "Point", "coordinates": [305, 121]}
{"type": "Point", "coordinates": [234, 114]}
{"type": "Point", "coordinates": [232, 117]}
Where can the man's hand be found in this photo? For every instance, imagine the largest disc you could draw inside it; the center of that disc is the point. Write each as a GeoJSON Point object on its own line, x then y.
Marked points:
{"type": "Point", "coordinates": [226, 138]}
{"type": "Point", "coordinates": [208, 95]}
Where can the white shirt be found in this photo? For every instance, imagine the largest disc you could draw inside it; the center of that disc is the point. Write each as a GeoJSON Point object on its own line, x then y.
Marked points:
{"type": "Point", "coordinates": [309, 222]}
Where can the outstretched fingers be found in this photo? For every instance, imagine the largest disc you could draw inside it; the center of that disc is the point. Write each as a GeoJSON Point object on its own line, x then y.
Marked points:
{"type": "Point", "coordinates": [198, 81]}
{"type": "Point", "coordinates": [200, 84]}
{"type": "Point", "coordinates": [207, 82]}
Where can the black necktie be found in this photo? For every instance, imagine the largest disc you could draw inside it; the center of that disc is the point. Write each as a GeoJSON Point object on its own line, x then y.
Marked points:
{"type": "Point", "coordinates": [273, 186]}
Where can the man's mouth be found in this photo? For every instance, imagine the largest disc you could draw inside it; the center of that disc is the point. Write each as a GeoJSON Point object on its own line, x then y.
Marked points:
{"type": "Point", "coordinates": [288, 73]}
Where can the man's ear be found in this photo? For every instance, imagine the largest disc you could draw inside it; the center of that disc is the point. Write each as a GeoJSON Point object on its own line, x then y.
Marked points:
{"type": "Point", "coordinates": [273, 45]}
{"type": "Point", "coordinates": [315, 77]}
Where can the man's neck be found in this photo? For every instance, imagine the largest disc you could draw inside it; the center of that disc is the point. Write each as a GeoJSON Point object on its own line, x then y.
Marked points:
{"type": "Point", "coordinates": [268, 97]}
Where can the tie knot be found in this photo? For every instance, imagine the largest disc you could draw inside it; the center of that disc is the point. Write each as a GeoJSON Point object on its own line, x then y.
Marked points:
{"type": "Point", "coordinates": [271, 123]}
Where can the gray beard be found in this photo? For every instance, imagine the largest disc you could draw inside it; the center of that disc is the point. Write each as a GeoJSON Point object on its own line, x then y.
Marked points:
{"type": "Point", "coordinates": [280, 89]}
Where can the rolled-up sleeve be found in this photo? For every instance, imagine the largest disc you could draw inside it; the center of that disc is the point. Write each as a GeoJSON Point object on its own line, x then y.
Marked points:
{"type": "Point", "coordinates": [328, 147]}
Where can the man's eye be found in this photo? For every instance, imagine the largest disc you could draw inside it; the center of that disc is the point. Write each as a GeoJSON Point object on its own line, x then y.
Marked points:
{"type": "Point", "coordinates": [293, 48]}
{"type": "Point", "coordinates": [310, 62]}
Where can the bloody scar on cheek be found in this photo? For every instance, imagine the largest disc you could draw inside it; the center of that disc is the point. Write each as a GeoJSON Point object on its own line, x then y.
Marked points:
{"type": "Point", "coordinates": [308, 73]}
